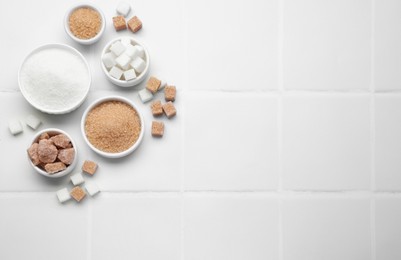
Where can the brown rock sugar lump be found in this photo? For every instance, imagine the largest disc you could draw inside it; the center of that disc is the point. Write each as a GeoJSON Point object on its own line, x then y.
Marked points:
{"type": "Point", "coordinates": [44, 136]}
{"type": "Point", "coordinates": [169, 93]}
{"type": "Point", "coordinates": [157, 108]}
{"type": "Point", "coordinates": [89, 167]}
{"type": "Point", "coordinates": [157, 129]}
{"type": "Point", "coordinates": [113, 126]}
{"type": "Point", "coordinates": [33, 153]}
{"type": "Point", "coordinates": [66, 155]}
{"type": "Point", "coordinates": [47, 151]}
{"type": "Point", "coordinates": [119, 23]}
{"type": "Point", "coordinates": [77, 193]}
{"type": "Point", "coordinates": [54, 167]}
{"type": "Point", "coordinates": [61, 140]}
{"type": "Point", "coordinates": [169, 109]}
{"type": "Point", "coordinates": [153, 84]}
{"type": "Point", "coordinates": [134, 24]}
{"type": "Point", "coordinates": [85, 23]}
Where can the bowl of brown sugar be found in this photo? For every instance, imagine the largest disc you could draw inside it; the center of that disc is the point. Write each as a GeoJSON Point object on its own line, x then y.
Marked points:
{"type": "Point", "coordinates": [112, 126]}
{"type": "Point", "coordinates": [85, 23]}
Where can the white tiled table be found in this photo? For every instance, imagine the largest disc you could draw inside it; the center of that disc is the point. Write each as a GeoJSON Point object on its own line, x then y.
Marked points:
{"type": "Point", "coordinates": [287, 142]}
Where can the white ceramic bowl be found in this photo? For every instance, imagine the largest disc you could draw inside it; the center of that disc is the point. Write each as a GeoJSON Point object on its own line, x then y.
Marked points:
{"type": "Point", "coordinates": [84, 41]}
{"type": "Point", "coordinates": [69, 167]}
{"type": "Point", "coordinates": [126, 83]}
{"type": "Point", "coordinates": [107, 154]}
{"type": "Point", "coordinates": [70, 107]}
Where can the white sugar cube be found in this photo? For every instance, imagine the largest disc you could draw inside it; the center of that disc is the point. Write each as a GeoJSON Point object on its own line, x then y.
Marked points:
{"type": "Point", "coordinates": [92, 188]}
{"type": "Point", "coordinates": [131, 51]}
{"type": "Point", "coordinates": [63, 195]}
{"type": "Point", "coordinates": [126, 41]}
{"type": "Point", "coordinates": [162, 85]}
{"type": "Point", "coordinates": [123, 61]}
{"type": "Point", "coordinates": [109, 60]}
{"type": "Point", "coordinates": [77, 179]}
{"type": "Point", "coordinates": [32, 121]}
{"type": "Point", "coordinates": [129, 74]}
{"type": "Point", "coordinates": [123, 8]}
{"type": "Point", "coordinates": [15, 127]}
{"type": "Point", "coordinates": [141, 51]}
{"type": "Point", "coordinates": [117, 48]}
{"type": "Point", "coordinates": [145, 95]}
{"type": "Point", "coordinates": [138, 64]}
{"type": "Point", "coordinates": [116, 72]}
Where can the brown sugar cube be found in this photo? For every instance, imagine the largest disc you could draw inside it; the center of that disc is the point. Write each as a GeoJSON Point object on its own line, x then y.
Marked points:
{"type": "Point", "coordinates": [47, 151]}
{"type": "Point", "coordinates": [44, 136]}
{"type": "Point", "coordinates": [134, 24]}
{"type": "Point", "coordinates": [77, 193]}
{"type": "Point", "coordinates": [66, 155]}
{"type": "Point", "coordinates": [169, 93]}
{"type": "Point", "coordinates": [119, 23]}
{"type": "Point", "coordinates": [51, 168]}
{"type": "Point", "coordinates": [61, 140]}
{"type": "Point", "coordinates": [153, 84]}
{"type": "Point", "coordinates": [169, 109]}
{"type": "Point", "coordinates": [157, 129]}
{"type": "Point", "coordinates": [157, 108]}
{"type": "Point", "coordinates": [33, 153]}
{"type": "Point", "coordinates": [89, 167]}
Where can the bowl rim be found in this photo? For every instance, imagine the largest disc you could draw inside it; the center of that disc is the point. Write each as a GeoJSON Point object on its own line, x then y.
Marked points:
{"type": "Point", "coordinates": [59, 46]}
{"type": "Point", "coordinates": [69, 169]}
{"type": "Point", "coordinates": [106, 99]}
{"type": "Point", "coordinates": [125, 83]}
{"type": "Point", "coordinates": [67, 27]}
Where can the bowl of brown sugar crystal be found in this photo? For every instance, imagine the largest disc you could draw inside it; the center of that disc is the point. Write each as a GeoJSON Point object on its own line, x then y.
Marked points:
{"type": "Point", "coordinates": [112, 126]}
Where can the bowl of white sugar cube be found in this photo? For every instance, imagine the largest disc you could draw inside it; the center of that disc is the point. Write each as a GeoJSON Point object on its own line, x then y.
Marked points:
{"type": "Point", "coordinates": [125, 61]}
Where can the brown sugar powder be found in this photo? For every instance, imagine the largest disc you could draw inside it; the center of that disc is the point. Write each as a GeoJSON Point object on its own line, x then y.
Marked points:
{"type": "Point", "coordinates": [85, 23]}
{"type": "Point", "coordinates": [113, 126]}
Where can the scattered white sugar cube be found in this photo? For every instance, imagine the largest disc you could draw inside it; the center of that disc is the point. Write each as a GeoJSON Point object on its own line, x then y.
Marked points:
{"type": "Point", "coordinates": [131, 51]}
{"type": "Point", "coordinates": [129, 74]}
{"type": "Point", "coordinates": [92, 188]}
{"type": "Point", "coordinates": [138, 64]}
{"type": "Point", "coordinates": [126, 41]}
{"type": "Point", "coordinates": [63, 195]}
{"type": "Point", "coordinates": [116, 72]}
{"type": "Point", "coordinates": [15, 127]}
{"type": "Point", "coordinates": [162, 85]}
{"type": "Point", "coordinates": [145, 95]}
{"type": "Point", "coordinates": [117, 48]}
{"type": "Point", "coordinates": [33, 122]}
{"type": "Point", "coordinates": [77, 179]}
{"type": "Point", "coordinates": [123, 8]}
{"type": "Point", "coordinates": [123, 61]}
{"type": "Point", "coordinates": [141, 51]}
{"type": "Point", "coordinates": [109, 60]}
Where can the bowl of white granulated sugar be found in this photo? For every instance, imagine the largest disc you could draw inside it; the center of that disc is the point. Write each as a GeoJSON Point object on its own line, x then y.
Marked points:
{"type": "Point", "coordinates": [54, 78]}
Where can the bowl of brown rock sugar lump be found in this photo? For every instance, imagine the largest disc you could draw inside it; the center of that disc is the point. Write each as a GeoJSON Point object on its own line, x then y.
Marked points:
{"type": "Point", "coordinates": [112, 126]}
{"type": "Point", "coordinates": [85, 23]}
{"type": "Point", "coordinates": [52, 153]}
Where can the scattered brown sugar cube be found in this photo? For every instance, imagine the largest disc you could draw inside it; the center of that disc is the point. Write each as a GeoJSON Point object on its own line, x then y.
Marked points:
{"type": "Point", "coordinates": [169, 109]}
{"type": "Point", "coordinates": [157, 108]}
{"type": "Point", "coordinates": [51, 168]}
{"type": "Point", "coordinates": [77, 193]}
{"type": "Point", "coordinates": [66, 155]}
{"type": "Point", "coordinates": [119, 23]}
{"type": "Point", "coordinates": [44, 136]}
{"type": "Point", "coordinates": [153, 84]}
{"type": "Point", "coordinates": [61, 140]}
{"type": "Point", "coordinates": [89, 167]}
{"type": "Point", "coordinates": [169, 93]}
{"type": "Point", "coordinates": [134, 24]}
{"type": "Point", "coordinates": [33, 153]}
{"type": "Point", "coordinates": [47, 151]}
{"type": "Point", "coordinates": [157, 129]}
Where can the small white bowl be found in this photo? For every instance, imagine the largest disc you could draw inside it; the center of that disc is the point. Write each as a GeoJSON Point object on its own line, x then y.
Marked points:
{"type": "Point", "coordinates": [84, 41]}
{"type": "Point", "coordinates": [107, 154]}
{"type": "Point", "coordinates": [69, 167]}
{"type": "Point", "coordinates": [67, 109]}
{"type": "Point", "coordinates": [126, 83]}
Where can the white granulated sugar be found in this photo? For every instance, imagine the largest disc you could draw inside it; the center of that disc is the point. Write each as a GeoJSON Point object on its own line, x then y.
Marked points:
{"type": "Point", "coordinates": [55, 79]}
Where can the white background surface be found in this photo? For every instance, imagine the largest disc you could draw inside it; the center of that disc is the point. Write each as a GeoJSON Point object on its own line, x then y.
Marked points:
{"type": "Point", "coordinates": [286, 145]}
